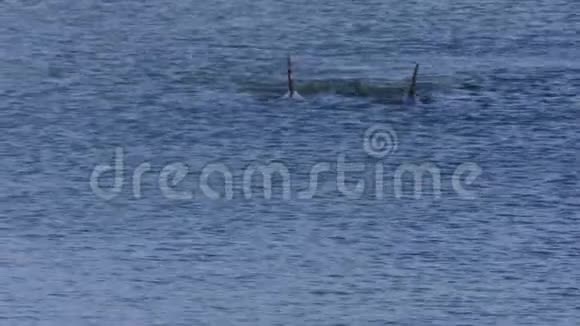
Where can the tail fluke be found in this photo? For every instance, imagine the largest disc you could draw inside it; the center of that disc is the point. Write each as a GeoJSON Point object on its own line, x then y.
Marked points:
{"type": "Point", "coordinates": [291, 91]}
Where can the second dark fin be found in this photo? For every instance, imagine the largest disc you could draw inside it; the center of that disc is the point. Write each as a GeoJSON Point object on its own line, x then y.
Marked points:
{"type": "Point", "coordinates": [413, 87]}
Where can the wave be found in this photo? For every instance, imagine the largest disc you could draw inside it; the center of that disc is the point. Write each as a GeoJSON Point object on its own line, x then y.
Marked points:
{"type": "Point", "coordinates": [382, 91]}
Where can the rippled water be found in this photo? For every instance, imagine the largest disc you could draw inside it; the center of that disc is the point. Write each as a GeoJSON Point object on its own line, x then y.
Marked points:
{"type": "Point", "coordinates": [199, 84]}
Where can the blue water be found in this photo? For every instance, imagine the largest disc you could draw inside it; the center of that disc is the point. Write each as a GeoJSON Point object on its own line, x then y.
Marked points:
{"type": "Point", "coordinates": [199, 83]}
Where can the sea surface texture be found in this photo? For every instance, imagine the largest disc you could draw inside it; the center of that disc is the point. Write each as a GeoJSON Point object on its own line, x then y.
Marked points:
{"type": "Point", "coordinates": [151, 172]}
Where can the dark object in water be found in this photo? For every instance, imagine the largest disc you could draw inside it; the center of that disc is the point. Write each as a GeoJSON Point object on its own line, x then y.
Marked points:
{"type": "Point", "coordinates": [291, 90]}
{"type": "Point", "coordinates": [413, 87]}
{"type": "Point", "coordinates": [411, 96]}
{"type": "Point", "coordinates": [290, 80]}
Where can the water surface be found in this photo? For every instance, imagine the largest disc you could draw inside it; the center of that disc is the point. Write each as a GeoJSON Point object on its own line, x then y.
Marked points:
{"type": "Point", "coordinates": [199, 82]}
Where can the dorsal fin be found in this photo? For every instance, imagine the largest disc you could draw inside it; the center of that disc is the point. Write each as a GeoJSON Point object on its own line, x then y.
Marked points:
{"type": "Point", "coordinates": [290, 79]}
{"type": "Point", "coordinates": [413, 87]}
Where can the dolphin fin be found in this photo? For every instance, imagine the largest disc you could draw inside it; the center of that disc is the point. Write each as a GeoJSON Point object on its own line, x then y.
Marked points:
{"type": "Point", "coordinates": [413, 88]}
{"type": "Point", "coordinates": [292, 93]}
{"type": "Point", "coordinates": [411, 96]}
